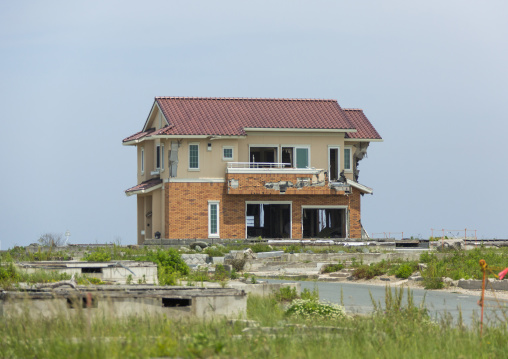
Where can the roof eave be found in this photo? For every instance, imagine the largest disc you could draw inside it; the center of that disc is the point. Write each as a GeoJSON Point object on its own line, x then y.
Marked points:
{"type": "Point", "coordinates": [360, 187]}
{"type": "Point", "coordinates": [143, 191]}
{"type": "Point", "coordinates": [363, 139]}
{"type": "Point", "coordinates": [269, 129]}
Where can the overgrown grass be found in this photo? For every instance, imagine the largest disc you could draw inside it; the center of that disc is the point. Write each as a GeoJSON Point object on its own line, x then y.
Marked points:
{"type": "Point", "coordinates": [464, 264]}
{"type": "Point", "coordinates": [398, 329]}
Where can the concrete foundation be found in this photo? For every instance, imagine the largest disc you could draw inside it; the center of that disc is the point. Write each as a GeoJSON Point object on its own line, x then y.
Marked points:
{"type": "Point", "coordinates": [477, 284]}
{"type": "Point", "coordinates": [114, 271]}
{"type": "Point", "coordinates": [118, 301]}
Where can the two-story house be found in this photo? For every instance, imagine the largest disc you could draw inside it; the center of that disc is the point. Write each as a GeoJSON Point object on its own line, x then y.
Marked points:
{"type": "Point", "coordinates": [249, 167]}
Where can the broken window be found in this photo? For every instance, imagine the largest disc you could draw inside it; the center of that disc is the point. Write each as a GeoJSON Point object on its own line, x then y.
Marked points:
{"type": "Point", "coordinates": [324, 223]}
{"type": "Point", "coordinates": [268, 220]}
{"type": "Point", "coordinates": [263, 154]}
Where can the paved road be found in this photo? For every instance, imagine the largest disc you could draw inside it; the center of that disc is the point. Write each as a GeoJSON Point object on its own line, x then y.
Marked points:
{"type": "Point", "coordinates": [357, 299]}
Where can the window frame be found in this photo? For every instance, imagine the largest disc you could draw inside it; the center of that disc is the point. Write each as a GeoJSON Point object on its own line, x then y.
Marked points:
{"type": "Point", "coordinates": [189, 167]}
{"type": "Point", "coordinates": [232, 148]}
{"type": "Point", "coordinates": [162, 157]}
{"type": "Point", "coordinates": [158, 156]}
{"type": "Point", "coordinates": [350, 169]}
{"type": "Point", "coordinates": [142, 160]}
{"type": "Point", "coordinates": [334, 147]}
{"type": "Point", "coordinates": [217, 233]}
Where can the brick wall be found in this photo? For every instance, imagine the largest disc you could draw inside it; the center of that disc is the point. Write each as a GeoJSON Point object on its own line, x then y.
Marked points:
{"type": "Point", "coordinates": [254, 183]}
{"type": "Point", "coordinates": [187, 209]}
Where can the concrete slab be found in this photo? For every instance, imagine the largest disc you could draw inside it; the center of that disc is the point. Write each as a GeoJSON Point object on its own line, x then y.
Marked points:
{"type": "Point", "coordinates": [122, 301]}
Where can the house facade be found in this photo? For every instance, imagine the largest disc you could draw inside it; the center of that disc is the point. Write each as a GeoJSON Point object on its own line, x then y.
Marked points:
{"type": "Point", "coordinates": [238, 168]}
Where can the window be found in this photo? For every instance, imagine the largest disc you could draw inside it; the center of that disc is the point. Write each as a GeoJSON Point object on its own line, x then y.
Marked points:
{"type": "Point", "coordinates": [158, 156]}
{"type": "Point", "coordinates": [194, 156]}
{"type": "Point", "coordinates": [142, 160]}
{"type": "Point", "coordinates": [302, 157]}
{"type": "Point", "coordinates": [333, 163]}
{"type": "Point", "coordinates": [296, 156]}
{"type": "Point", "coordinates": [213, 218]}
{"type": "Point", "coordinates": [347, 159]}
{"type": "Point", "coordinates": [162, 156]}
{"type": "Point", "coordinates": [227, 153]}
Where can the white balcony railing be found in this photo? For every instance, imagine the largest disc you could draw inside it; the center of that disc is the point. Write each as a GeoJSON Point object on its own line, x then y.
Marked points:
{"type": "Point", "coordinates": [270, 167]}
{"type": "Point", "coordinates": [258, 165]}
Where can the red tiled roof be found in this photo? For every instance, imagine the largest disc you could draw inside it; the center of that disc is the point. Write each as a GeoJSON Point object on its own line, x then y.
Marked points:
{"type": "Point", "coordinates": [145, 185]}
{"type": "Point", "coordinates": [139, 135]}
{"type": "Point", "coordinates": [230, 116]}
{"type": "Point", "coordinates": [364, 129]}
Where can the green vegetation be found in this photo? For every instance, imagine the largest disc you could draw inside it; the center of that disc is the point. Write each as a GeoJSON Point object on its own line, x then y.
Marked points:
{"type": "Point", "coordinates": [100, 255]}
{"type": "Point", "coordinates": [10, 276]}
{"type": "Point", "coordinates": [312, 309]}
{"type": "Point", "coordinates": [405, 270]}
{"type": "Point", "coordinates": [464, 264]}
{"type": "Point", "coordinates": [330, 268]}
{"type": "Point", "coordinates": [397, 329]}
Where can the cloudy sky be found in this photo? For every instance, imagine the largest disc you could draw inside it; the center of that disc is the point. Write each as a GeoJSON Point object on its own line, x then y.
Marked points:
{"type": "Point", "coordinates": [78, 77]}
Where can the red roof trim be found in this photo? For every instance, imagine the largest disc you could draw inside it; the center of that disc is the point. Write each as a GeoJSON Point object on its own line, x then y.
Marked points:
{"type": "Point", "coordinates": [143, 186]}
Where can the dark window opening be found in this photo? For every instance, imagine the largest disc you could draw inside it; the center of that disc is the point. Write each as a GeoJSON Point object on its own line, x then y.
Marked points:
{"type": "Point", "coordinates": [158, 155]}
{"type": "Point", "coordinates": [334, 164]}
{"type": "Point", "coordinates": [176, 302]}
{"type": "Point", "coordinates": [263, 154]}
{"type": "Point", "coordinates": [287, 156]}
{"type": "Point", "coordinates": [268, 220]}
{"type": "Point", "coordinates": [324, 223]}
{"type": "Point", "coordinates": [91, 270]}
{"type": "Point", "coordinates": [81, 302]}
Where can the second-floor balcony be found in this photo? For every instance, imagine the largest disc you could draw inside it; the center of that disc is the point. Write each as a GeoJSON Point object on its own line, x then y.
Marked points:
{"type": "Point", "coordinates": [279, 178]}
{"type": "Point", "coordinates": [267, 167]}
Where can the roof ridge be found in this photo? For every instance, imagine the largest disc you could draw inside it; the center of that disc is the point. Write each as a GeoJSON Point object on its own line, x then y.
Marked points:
{"type": "Point", "coordinates": [244, 98]}
{"type": "Point", "coordinates": [352, 109]}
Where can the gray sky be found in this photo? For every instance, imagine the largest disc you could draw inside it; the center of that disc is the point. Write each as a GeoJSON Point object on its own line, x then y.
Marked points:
{"type": "Point", "coordinates": [76, 78]}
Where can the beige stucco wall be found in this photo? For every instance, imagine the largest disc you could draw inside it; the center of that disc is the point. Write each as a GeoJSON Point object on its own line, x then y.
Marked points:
{"type": "Point", "coordinates": [211, 164]}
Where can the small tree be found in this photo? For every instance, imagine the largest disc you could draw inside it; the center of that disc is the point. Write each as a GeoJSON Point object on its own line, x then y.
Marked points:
{"type": "Point", "coordinates": [51, 240]}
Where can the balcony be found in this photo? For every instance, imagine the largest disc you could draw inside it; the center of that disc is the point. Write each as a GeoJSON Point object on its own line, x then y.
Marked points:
{"type": "Point", "coordinates": [267, 167]}
{"type": "Point", "coordinates": [279, 178]}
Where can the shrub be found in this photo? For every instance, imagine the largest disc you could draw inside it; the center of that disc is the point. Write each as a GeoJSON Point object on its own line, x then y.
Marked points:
{"type": "Point", "coordinates": [307, 309]}
{"type": "Point", "coordinates": [307, 294]}
{"type": "Point", "coordinates": [365, 271]}
{"type": "Point", "coordinates": [404, 271]}
{"type": "Point", "coordinates": [100, 255]}
{"type": "Point", "coordinates": [238, 264]}
{"type": "Point", "coordinates": [330, 268]}
{"type": "Point", "coordinates": [260, 247]}
{"type": "Point", "coordinates": [216, 251]}
{"type": "Point", "coordinates": [286, 294]}
{"type": "Point", "coordinates": [220, 273]}
{"type": "Point", "coordinates": [234, 274]}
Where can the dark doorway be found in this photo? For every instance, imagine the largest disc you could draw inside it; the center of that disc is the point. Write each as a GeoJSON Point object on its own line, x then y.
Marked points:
{"type": "Point", "coordinates": [268, 220]}
{"type": "Point", "coordinates": [333, 174]}
{"type": "Point", "coordinates": [263, 154]}
{"type": "Point", "coordinates": [324, 223]}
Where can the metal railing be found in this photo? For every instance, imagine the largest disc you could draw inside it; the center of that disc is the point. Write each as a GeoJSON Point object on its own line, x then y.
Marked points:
{"type": "Point", "coordinates": [258, 165]}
